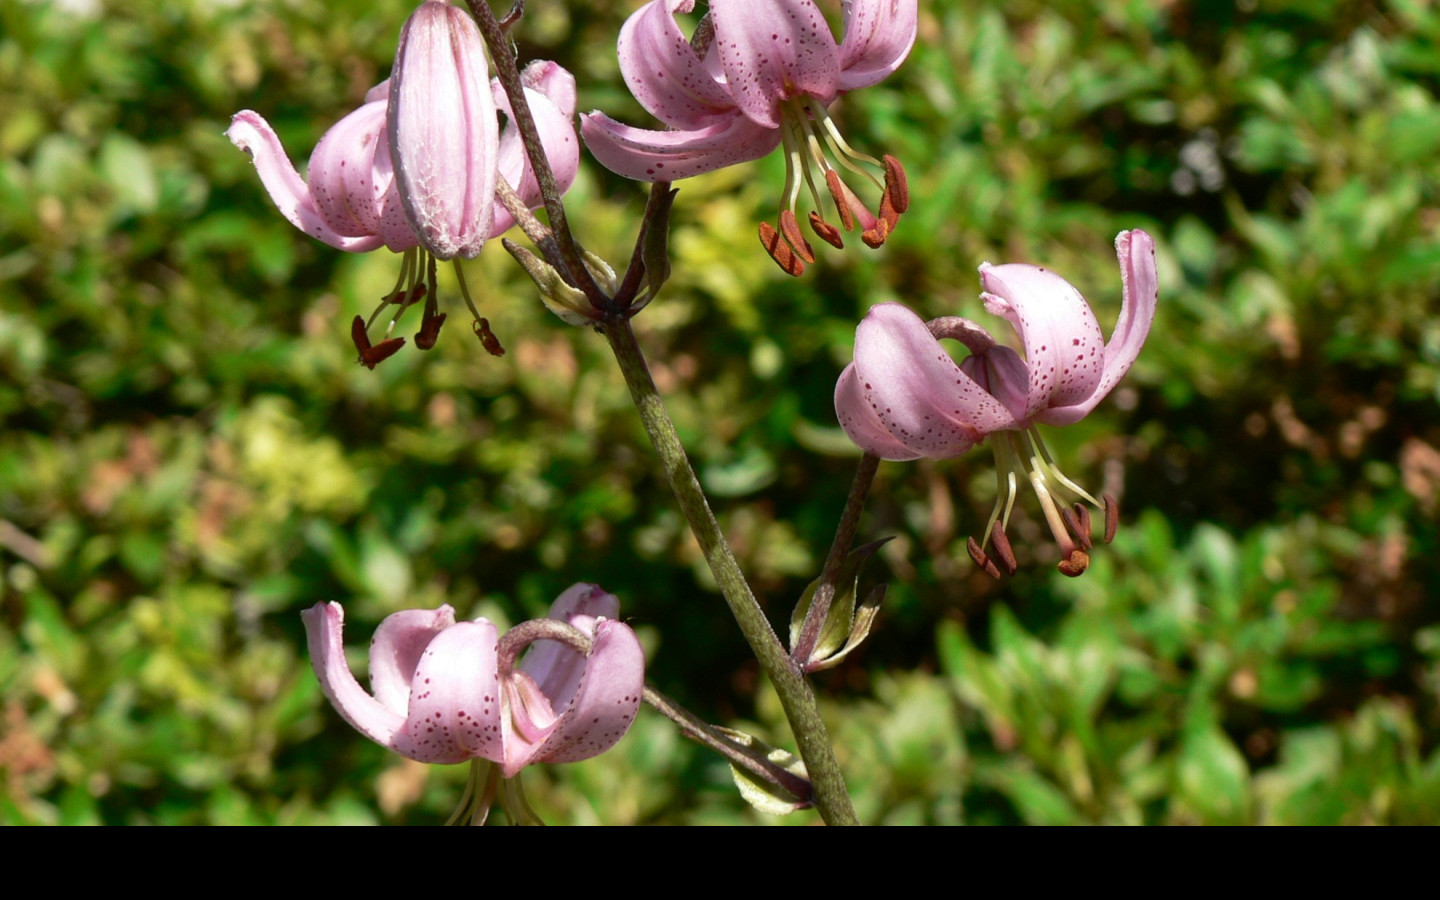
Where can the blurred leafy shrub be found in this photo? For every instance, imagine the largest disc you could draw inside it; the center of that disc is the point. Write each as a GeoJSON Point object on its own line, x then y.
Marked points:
{"type": "Point", "coordinates": [189, 456]}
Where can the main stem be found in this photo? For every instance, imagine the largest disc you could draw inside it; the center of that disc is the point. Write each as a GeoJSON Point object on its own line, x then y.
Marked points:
{"type": "Point", "coordinates": [812, 739]}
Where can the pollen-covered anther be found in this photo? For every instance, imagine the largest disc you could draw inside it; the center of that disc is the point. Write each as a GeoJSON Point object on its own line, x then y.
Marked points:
{"type": "Point", "coordinates": [825, 231]}
{"type": "Point", "coordinates": [1072, 524]}
{"type": "Point", "coordinates": [1112, 517]}
{"type": "Point", "coordinates": [874, 236]}
{"type": "Point", "coordinates": [1075, 564]}
{"type": "Point", "coordinates": [1003, 549]}
{"type": "Point", "coordinates": [897, 186]}
{"type": "Point", "coordinates": [842, 197]}
{"type": "Point", "coordinates": [791, 230]}
{"type": "Point", "coordinates": [1082, 515]}
{"type": "Point", "coordinates": [981, 559]}
{"type": "Point", "coordinates": [779, 250]}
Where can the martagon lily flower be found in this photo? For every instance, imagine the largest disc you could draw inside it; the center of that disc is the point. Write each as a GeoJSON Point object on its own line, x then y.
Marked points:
{"type": "Point", "coordinates": [450, 692]}
{"type": "Point", "coordinates": [415, 168]}
{"type": "Point", "coordinates": [760, 74]}
{"type": "Point", "coordinates": [904, 397]}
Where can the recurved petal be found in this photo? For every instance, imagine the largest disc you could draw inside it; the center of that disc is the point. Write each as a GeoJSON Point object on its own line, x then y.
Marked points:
{"type": "Point", "coordinates": [662, 70]}
{"type": "Point", "coordinates": [1064, 350]}
{"type": "Point", "coordinates": [1140, 296]}
{"type": "Point", "coordinates": [324, 633]}
{"type": "Point", "coordinates": [669, 155]}
{"type": "Point", "coordinates": [556, 668]}
{"type": "Point", "coordinates": [287, 189]}
{"type": "Point", "coordinates": [861, 423]}
{"type": "Point", "coordinates": [345, 180]}
{"type": "Point", "coordinates": [455, 698]}
{"type": "Point", "coordinates": [444, 133]}
{"type": "Point", "coordinates": [1003, 373]}
{"type": "Point", "coordinates": [878, 37]}
{"type": "Point", "coordinates": [772, 50]}
{"type": "Point", "coordinates": [395, 652]}
{"type": "Point", "coordinates": [916, 390]}
{"type": "Point", "coordinates": [606, 701]}
{"type": "Point", "coordinates": [554, 81]}
{"type": "Point", "coordinates": [557, 136]}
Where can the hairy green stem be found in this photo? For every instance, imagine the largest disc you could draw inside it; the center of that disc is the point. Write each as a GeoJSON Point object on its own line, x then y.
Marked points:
{"type": "Point", "coordinates": [796, 697]}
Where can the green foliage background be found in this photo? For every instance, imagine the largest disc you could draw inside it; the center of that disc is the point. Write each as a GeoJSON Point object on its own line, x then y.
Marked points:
{"type": "Point", "coordinates": [189, 455]}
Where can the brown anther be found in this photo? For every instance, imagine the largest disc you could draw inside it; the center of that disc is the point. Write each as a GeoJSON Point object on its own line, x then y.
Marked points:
{"type": "Point", "coordinates": [1075, 565]}
{"type": "Point", "coordinates": [1082, 513]}
{"type": "Point", "coordinates": [1112, 517]}
{"type": "Point", "coordinates": [1003, 549]}
{"type": "Point", "coordinates": [981, 559]}
{"type": "Point", "coordinates": [370, 357]}
{"type": "Point", "coordinates": [380, 352]}
{"type": "Point", "coordinates": [488, 340]}
{"type": "Point", "coordinates": [791, 230]}
{"type": "Point", "coordinates": [1073, 525]}
{"type": "Point", "coordinates": [840, 193]}
{"type": "Point", "coordinates": [888, 214]}
{"type": "Point", "coordinates": [780, 251]}
{"type": "Point", "coordinates": [825, 231]}
{"type": "Point", "coordinates": [875, 237]}
{"type": "Point", "coordinates": [897, 186]}
{"type": "Point", "coordinates": [429, 330]}
{"type": "Point", "coordinates": [358, 335]}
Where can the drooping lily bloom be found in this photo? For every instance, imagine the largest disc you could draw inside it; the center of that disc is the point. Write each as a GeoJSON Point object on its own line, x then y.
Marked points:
{"type": "Point", "coordinates": [761, 74]}
{"type": "Point", "coordinates": [904, 397]}
{"type": "Point", "coordinates": [364, 193]}
{"type": "Point", "coordinates": [444, 691]}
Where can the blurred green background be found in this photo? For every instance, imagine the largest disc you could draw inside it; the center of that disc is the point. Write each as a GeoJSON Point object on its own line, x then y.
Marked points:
{"type": "Point", "coordinates": [189, 455]}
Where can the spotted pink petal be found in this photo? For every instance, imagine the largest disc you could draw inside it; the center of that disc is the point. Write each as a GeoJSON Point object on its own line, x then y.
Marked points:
{"type": "Point", "coordinates": [455, 706]}
{"type": "Point", "coordinates": [396, 648]}
{"type": "Point", "coordinates": [772, 50]}
{"type": "Point", "coordinates": [878, 37]}
{"type": "Point", "coordinates": [1064, 350]}
{"type": "Point", "coordinates": [1002, 373]}
{"type": "Point", "coordinates": [444, 134]}
{"type": "Point", "coordinates": [1140, 293]}
{"type": "Point", "coordinates": [343, 179]}
{"type": "Point", "coordinates": [916, 391]}
{"type": "Point", "coordinates": [251, 133]}
{"type": "Point", "coordinates": [606, 700]}
{"type": "Point", "coordinates": [556, 668]}
{"type": "Point", "coordinates": [664, 73]}
{"type": "Point", "coordinates": [646, 155]}
{"type": "Point", "coordinates": [862, 423]}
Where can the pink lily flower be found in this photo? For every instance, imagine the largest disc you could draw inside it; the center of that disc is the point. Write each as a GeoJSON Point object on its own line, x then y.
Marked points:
{"type": "Point", "coordinates": [904, 397]}
{"type": "Point", "coordinates": [445, 693]}
{"type": "Point", "coordinates": [763, 76]}
{"type": "Point", "coordinates": [415, 167]}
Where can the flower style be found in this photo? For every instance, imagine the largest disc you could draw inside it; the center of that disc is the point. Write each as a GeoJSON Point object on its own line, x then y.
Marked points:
{"type": "Point", "coordinates": [904, 398]}
{"type": "Point", "coordinates": [415, 168]}
{"type": "Point", "coordinates": [447, 691]}
{"type": "Point", "coordinates": [761, 74]}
